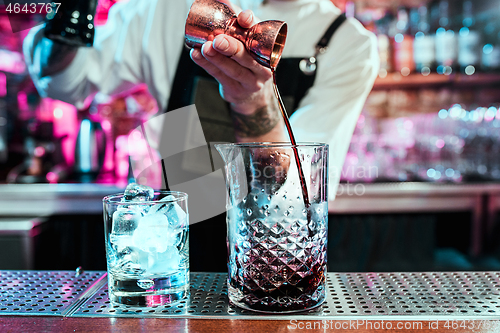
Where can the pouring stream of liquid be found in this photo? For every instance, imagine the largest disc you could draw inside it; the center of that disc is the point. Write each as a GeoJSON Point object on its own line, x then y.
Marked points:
{"type": "Point", "coordinates": [303, 185]}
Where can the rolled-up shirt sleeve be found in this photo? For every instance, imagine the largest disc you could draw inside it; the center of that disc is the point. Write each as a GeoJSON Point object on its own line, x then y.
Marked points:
{"type": "Point", "coordinates": [110, 66]}
{"type": "Point", "coordinates": [329, 111]}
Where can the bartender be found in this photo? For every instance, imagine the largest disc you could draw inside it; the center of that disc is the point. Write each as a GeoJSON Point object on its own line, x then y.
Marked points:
{"type": "Point", "coordinates": [327, 69]}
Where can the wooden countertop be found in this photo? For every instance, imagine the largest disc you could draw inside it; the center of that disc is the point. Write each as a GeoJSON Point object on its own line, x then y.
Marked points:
{"type": "Point", "coordinates": [57, 324]}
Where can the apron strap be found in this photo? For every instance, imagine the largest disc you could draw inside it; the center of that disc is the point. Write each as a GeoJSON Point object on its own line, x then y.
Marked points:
{"type": "Point", "coordinates": [293, 82]}
{"type": "Point", "coordinates": [323, 42]}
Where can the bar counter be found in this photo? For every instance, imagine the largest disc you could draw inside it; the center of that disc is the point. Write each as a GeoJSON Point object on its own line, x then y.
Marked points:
{"type": "Point", "coordinates": [47, 199]}
{"type": "Point", "coordinates": [61, 301]}
{"type": "Point", "coordinates": [482, 200]}
{"type": "Point", "coordinates": [46, 324]}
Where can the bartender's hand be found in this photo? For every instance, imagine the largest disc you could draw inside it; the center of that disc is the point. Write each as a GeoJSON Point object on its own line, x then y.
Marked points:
{"type": "Point", "coordinates": [245, 84]}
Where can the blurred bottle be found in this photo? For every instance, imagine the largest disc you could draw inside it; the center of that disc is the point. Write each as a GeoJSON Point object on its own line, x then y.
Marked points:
{"type": "Point", "coordinates": [90, 146]}
{"type": "Point", "coordinates": [384, 44]}
{"type": "Point", "coordinates": [403, 44]}
{"type": "Point", "coordinates": [73, 23]}
{"type": "Point", "coordinates": [424, 53]}
{"type": "Point", "coordinates": [490, 50]}
{"type": "Point", "coordinates": [446, 41]}
{"type": "Point", "coordinates": [469, 41]}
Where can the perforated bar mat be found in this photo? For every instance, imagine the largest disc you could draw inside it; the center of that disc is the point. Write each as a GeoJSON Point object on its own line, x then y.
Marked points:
{"type": "Point", "coordinates": [45, 293]}
{"type": "Point", "coordinates": [349, 295]}
{"type": "Point", "coordinates": [443, 295]}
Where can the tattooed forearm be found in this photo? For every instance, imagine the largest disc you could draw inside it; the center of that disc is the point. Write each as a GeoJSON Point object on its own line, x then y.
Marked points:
{"type": "Point", "coordinates": [261, 122]}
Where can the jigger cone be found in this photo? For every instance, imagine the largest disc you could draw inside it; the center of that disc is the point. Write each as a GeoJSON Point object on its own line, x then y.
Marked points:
{"type": "Point", "coordinates": [208, 18]}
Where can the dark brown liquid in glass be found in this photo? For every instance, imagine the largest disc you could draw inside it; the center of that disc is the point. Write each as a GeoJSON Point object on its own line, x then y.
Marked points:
{"type": "Point", "coordinates": [306, 286]}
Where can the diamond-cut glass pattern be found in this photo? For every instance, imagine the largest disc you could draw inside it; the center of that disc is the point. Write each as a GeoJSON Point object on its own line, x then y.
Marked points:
{"type": "Point", "coordinates": [278, 263]}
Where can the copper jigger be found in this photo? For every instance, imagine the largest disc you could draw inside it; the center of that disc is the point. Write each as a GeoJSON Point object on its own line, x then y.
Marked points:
{"type": "Point", "coordinates": [208, 18]}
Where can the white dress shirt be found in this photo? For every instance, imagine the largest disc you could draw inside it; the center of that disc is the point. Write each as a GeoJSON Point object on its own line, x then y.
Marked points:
{"type": "Point", "coordinates": [142, 41]}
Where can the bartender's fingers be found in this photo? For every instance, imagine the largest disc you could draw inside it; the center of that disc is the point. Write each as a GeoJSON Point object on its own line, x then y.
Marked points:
{"type": "Point", "coordinates": [213, 70]}
{"type": "Point", "coordinates": [233, 48]}
{"type": "Point", "coordinates": [247, 19]}
{"type": "Point", "coordinates": [240, 67]}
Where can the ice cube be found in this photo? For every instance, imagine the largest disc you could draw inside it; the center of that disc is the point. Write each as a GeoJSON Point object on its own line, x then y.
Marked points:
{"type": "Point", "coordinates": [132, 261]}
{"type": "Point", "coordinates": [111, 257]}
{"type": "Point", "coordinates": [177, 217]}
{"type": "Point", "coordinates": [154, 234]}
{"type": "Point", "coordinates": [142, 209]}
{"type": "Point", "coordinates": [127, 260]}
{"type": "Point", "coordinates": [125, 221]}
{"type": "Point", "coordinates": [167, 261]}
{"type": "Point", "coordinates": [120, 242]}
{"type": "Point", "coordinates": [179, 236]}
{"type": "Point", "coordinates": [136, 192]}
{"type": "Point", "coordinates": [162, 205]}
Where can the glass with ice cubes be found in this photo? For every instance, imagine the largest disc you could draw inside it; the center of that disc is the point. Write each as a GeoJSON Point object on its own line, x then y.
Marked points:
{"type": "Point", "coordinates": [147, 246]}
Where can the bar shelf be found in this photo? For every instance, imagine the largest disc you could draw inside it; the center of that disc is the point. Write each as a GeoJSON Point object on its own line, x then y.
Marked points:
{"type": "Point", "coordinates": [415, 81]}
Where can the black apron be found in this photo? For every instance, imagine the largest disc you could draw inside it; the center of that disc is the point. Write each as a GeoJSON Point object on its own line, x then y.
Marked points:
{"type": "Point", "coordinates": [193, 85]}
